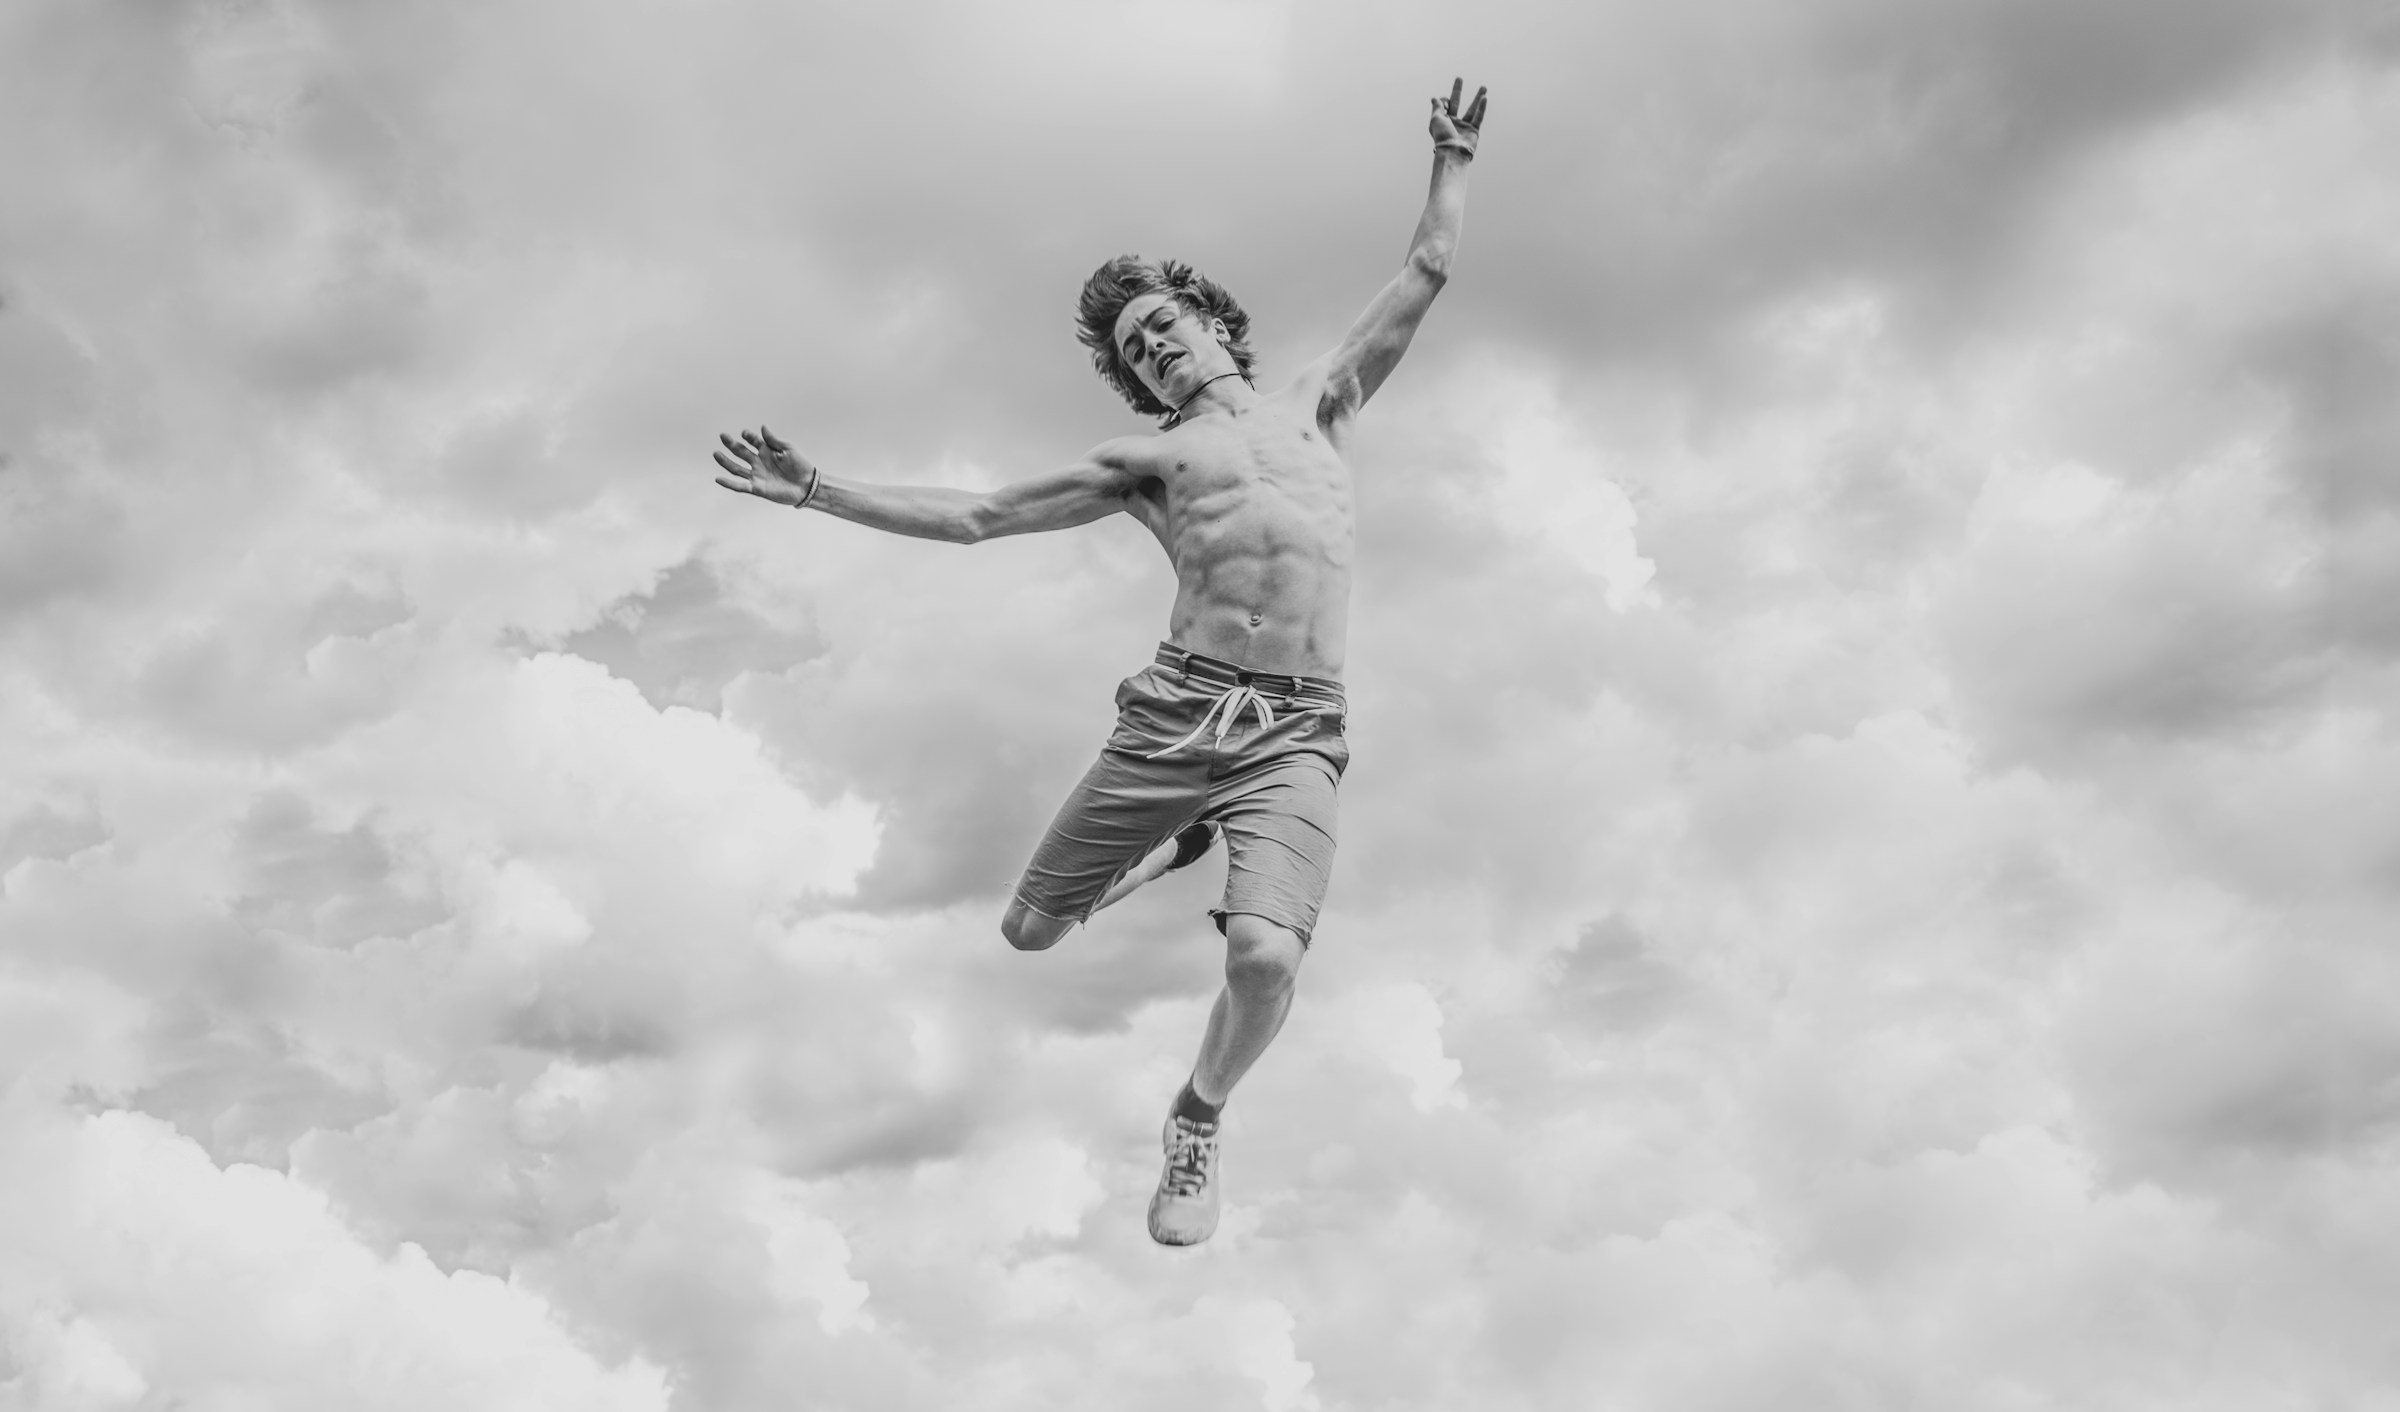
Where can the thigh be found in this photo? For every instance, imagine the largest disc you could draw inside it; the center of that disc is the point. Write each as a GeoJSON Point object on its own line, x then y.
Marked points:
{"type": "Point", "coordinates": [1279, 844]}
{"type": "Point", "coordinates": [1124, 807]}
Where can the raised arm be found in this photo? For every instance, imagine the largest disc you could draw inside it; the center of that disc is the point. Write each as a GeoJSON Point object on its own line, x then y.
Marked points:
{"type": "Point", "coordinates": [1374, 344]}
{"type": "Point", "coordinates": [763, 464]}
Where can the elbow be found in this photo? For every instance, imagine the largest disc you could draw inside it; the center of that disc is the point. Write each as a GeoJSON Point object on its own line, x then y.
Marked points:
{"type": "Point", "coordinates": [972, 525]}
{"type": "Point", "coordinates": [1432, 263]}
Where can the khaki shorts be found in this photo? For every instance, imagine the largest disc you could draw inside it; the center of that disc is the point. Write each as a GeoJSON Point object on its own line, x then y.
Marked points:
{"type": "Point", "coordinates": [1198, 739]}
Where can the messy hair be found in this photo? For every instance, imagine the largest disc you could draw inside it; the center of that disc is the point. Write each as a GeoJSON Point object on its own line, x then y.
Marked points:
{"type": "Point", "coordinates": [1125, 279]}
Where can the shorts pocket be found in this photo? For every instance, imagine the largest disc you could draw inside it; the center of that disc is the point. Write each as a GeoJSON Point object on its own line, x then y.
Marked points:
{"type": "Point", "coordinates": [1142, 685]}
{"type": "Point", "coordinates": [1145, 711]}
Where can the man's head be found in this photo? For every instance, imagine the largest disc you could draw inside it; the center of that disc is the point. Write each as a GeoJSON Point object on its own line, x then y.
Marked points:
{"type": "Point", "coordinates": [1158, 332]}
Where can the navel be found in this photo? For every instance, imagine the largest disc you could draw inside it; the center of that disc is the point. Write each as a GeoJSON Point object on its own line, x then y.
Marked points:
{"type": "Point", "coordinates": [1257, 618]}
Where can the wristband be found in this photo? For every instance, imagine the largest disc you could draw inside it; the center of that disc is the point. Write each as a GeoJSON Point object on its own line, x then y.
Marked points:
{"type": "Point", "coordinates": [1460, 148]}
{"type": "Point", "coordinates": [816, 477]}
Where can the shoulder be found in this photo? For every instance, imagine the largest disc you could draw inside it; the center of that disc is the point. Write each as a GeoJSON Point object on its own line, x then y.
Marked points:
{"type": "Point", "coordinates": [1311, 378]}
{"type": "Point", "coordinates": [1124, 455]}
{"type": "Point", "coordinates": [1124, 464]}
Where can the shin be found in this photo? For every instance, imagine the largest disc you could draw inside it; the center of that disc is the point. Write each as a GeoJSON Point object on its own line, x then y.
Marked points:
{"type": "Point", "coordinates": [1262, 965]}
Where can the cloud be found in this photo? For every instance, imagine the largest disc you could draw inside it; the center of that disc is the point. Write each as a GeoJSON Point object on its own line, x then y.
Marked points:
{"type": "Point", "coordinates": [1402, 1027]}
{"type": "Point", "coordinates": [1550, 480]}
{"type": "Point", "coordinates": [45, 832]}
{"type": "Point", "coordinates": [1864, 877]}
{"type": "Point", "coordinates": [2169, 618]}
{"type": "Point", "coordinates": [238, 1282]}
{"type": "Point", "coordinates": [685, 640]}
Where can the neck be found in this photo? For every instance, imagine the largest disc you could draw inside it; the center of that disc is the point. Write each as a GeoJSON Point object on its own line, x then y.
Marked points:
{"type": "Point", "coordinates": [1185, 404]}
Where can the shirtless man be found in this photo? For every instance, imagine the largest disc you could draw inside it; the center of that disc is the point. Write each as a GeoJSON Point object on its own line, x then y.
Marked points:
{"type": "Point", "coordinates": [1237, 725]}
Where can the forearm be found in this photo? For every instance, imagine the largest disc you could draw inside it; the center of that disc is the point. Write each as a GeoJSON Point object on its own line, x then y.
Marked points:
{"type": "Point", "coordinates": [1436, 239]}
{"type": "Point", "coordinates": [919, 511]}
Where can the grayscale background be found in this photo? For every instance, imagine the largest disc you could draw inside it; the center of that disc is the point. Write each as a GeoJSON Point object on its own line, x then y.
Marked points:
{"type": "Point", "coordinates": [1872, 866]}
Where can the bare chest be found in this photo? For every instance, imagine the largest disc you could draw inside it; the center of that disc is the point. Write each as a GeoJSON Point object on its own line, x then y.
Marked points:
{"type": "Point", "coordinates": [1261, 464]}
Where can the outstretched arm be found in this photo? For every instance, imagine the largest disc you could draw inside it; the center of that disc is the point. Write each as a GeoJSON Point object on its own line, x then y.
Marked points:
{"type": "Point", "coordinates": [1374, 344]}
{"type": "Point", "coordinates": [764, 465]}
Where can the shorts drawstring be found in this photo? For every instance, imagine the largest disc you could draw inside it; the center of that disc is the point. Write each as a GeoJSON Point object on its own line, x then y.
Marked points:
{"type": "Point", "coordinates": [1232, 700]}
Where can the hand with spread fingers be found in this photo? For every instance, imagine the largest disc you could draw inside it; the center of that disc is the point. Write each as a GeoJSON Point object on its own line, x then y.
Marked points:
{"type": "Point", "coordinates": [1454, 130]}
{"type": "Point", "coordinates": [764, 464]}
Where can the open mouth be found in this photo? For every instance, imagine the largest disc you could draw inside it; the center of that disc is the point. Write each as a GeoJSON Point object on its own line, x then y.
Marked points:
{"type": "Point", "coordinates": [1165, 358]}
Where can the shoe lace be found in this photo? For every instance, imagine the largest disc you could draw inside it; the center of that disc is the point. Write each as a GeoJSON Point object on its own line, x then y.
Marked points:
{"type": "Point", "coordinates": [1191, 1154]}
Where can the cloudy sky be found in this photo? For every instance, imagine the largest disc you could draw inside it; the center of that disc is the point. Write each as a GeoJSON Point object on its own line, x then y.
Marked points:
{"type": "Point", "coordinates": [1871, 867]}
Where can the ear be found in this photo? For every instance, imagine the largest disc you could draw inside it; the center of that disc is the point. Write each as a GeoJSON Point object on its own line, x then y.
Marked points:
{"type": "Point", "coordinates": [1218, 331]}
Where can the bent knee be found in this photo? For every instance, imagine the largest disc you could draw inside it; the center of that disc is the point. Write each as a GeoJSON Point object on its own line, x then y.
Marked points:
{"type": "Point", "coordinates": [1028, 930]}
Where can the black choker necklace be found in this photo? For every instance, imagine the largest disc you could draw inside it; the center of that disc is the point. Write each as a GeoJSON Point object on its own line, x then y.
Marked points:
{"type": "Point", "coordinates": [1203, 388]}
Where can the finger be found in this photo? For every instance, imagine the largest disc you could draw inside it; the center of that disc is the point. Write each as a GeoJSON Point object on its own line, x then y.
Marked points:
{"type": "Point", "coordinates": [752, 437]}
{"type": "Point", "coordinates": [1475, 109]}
{"type": "Point", "coordinates": [731, 484]}
{"type": "Point", "coordinates": [774, 442]}
{"type": "Point", "coordinates": [1457, 86]}
{"type": "Point", "coordinates": [734, 446]}
{"type": "Point", "coordinates": [737, 467]}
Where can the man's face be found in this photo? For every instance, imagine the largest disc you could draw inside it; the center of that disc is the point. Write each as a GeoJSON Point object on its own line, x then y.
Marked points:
{"type": "Point", "coordinates": [1170, 348]}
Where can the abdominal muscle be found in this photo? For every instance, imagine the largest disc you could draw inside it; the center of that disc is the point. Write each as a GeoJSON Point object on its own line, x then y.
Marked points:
{"type": "Point", "coordinates": [1261, 535]}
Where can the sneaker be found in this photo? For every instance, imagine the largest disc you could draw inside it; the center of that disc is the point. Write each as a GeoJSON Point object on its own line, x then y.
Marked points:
{"type": "Point", "coordinates": [1184, 1211]}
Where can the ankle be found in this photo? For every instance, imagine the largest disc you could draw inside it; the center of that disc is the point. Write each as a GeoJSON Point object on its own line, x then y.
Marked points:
{"type": "Point", "coordinates": [1189, 1104]}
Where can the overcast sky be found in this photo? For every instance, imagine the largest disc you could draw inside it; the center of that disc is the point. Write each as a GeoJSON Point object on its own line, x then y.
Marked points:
{"type": "Point", "coordinates": [1872, 862]}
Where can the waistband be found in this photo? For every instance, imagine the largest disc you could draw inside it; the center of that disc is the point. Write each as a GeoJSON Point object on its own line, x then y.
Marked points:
{"type": "Point", "coordinates": [1215, 671]}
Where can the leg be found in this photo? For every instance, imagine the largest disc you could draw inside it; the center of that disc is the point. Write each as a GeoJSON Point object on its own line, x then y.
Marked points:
{"type": "Point", "coordinates": [1125, 807]}
{"type": "Point", "coordinates": [1278, 820]}
{"type": "Point", "coordinates": [1262, 960]}
{"type": "Point", "coordinates": [1181, 851]}
{"type": "Point", "coordinates": [1028, 930]}
{"type": "Point", "coordinates": [1262, 963]}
